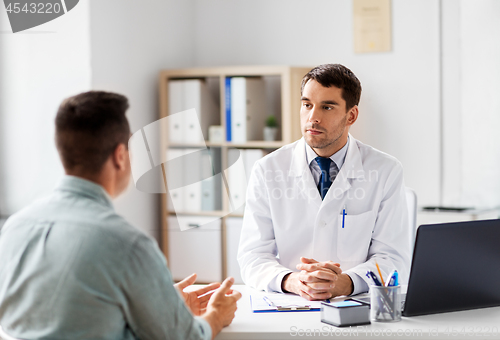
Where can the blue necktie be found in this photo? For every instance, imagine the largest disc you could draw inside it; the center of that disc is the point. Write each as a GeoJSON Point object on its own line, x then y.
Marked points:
{"type": "Point", "coordinates": [324, 181]}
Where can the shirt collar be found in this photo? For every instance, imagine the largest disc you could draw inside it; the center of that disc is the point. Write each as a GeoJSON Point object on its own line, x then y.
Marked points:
{"type": "Point", "coordinates": [338, 157]}
{"type": "Point", "coordinates": [85, 187]}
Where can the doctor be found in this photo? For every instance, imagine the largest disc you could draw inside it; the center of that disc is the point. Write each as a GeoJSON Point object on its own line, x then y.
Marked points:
{"type": "Point", "coordinates": [323, 210]}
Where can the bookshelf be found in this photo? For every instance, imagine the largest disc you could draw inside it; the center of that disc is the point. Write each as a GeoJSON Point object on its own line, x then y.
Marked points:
{"type": "Point", "coordinates": [283, 84]}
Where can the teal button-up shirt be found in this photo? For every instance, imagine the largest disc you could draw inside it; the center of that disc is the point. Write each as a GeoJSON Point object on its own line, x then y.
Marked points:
{"type": "Point", "coordinates": [71, 268]}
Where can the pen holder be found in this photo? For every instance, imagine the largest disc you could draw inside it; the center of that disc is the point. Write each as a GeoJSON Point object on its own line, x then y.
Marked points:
{"type": "Point", "coordinates": [385, 303]}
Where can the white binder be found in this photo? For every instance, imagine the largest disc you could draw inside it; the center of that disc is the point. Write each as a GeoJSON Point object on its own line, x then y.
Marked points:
{"type": "Point", "coordinates": [192, 192]}
{"type": "Point", "coordinates": [251, 156]}
{"type": "Point", "coordinates": [174, 176]}
{"type": "Point", "coordinates": [188, 94]}
{"type": "Point", "coordinates": [175, 105]}
{"type": "Point", "coordinates": [236, 179]}
{"type": "Point", "coordinates": [248, 109]}
{"type": "Point", "coordinates": [197, 96]}
{"type": "Point", "coordinates": [211, 186]}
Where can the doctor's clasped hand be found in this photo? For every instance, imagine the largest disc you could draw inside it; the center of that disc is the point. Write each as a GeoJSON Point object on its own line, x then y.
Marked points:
{"type": "Point", "coordinates": [318, 280]}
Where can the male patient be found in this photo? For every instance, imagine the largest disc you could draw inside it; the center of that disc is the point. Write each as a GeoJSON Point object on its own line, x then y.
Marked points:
{"type": "Point", "coordinates": [322, 211]}
{"type": "Point", "coordinates": [72, 268]}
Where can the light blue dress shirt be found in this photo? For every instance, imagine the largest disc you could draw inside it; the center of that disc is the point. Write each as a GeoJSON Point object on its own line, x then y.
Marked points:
{"type": "Point", "coordinates": [338, 158]}
{"type": "Point", "coordinates": [71, 268]}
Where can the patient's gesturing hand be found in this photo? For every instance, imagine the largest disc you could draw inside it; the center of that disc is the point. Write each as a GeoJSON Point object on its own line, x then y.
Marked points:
{"type": "Point", "coordinates": [196, 300]}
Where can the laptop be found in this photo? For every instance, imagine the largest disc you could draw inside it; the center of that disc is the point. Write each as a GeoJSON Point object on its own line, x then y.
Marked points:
{"type": "Point", "coordinates": [455, 267]}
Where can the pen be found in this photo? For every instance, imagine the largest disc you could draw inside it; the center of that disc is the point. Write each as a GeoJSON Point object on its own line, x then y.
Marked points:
{"type": "Point", "coordinates": [343, 217]}
{"type": "Point", "coordinates": [392, 279]}
{"type": "Point", "coordinates": [380, 273]}
{"type": "Point", "coordinates": [269, 302]}
{"type": "Point", "coordinates": [373, 278]}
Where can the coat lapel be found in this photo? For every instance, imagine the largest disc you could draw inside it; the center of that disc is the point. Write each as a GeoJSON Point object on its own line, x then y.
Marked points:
{"type": "Point", "coordinates": [300, 173]}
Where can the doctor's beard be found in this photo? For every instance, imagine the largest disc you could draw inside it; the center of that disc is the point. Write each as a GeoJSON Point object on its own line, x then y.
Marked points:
{"type": "Point", "coordinates": [329, 138]}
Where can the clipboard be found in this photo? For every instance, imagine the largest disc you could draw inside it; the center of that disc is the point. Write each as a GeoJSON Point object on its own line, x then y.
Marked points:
{"type": "Point", "coordinates": [277, 302]}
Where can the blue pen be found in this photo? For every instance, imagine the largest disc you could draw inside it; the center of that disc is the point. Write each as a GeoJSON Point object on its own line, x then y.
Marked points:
{"type": "Point", "coordinates": [392, 279]}
{"type": "Point", "coordinates": [343, 217]}
{"type": "Point", "coordinates": [371, 275]}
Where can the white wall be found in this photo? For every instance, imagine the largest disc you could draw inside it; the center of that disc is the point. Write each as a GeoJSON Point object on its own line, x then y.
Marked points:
{"type": "Point", "coordinates": [131, 42]}
{"type": "Point", "coordinates": [451, 103]}
{"type": "Point", "coordinates": [38, 69]}
{"type": "Point", "coordinates": [471, 102]}
{"type": "Point", "coordinates": [480, 102]}
{"type": "Point", "coordinates": [399, 110]}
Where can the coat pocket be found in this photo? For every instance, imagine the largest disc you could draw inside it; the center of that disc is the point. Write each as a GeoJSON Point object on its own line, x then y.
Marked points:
{"type": "Point", "coordinates": [354, 236]}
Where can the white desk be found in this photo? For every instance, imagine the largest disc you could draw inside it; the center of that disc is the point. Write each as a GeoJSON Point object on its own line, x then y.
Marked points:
{"type": "Point", "coordinates": [474, 324]}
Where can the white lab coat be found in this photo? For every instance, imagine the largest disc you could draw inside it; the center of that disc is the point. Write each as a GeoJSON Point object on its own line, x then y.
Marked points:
{"type": "Point", "coordinates": [285, 217]}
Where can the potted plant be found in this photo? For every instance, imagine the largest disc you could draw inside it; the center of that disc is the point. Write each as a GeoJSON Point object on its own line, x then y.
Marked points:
{"type": "Point", "coordinates": [271, 129]}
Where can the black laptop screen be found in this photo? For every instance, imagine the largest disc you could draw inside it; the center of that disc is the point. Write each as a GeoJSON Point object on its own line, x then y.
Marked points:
{"type": "Point", "coordinates": [456, 266]}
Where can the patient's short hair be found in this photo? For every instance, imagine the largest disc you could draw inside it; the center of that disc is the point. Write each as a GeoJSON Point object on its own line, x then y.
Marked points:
{"type": "Point", "coordinates": [89, 127]}
{"type": "Point", "coordinates": [337, 75]}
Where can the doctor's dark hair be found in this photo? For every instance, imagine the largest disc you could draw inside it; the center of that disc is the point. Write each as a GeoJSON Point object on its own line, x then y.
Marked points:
{"type": "Point", "coordinates": [337, 75]}
{"type": "Point", "coordinates": [89, 127]}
